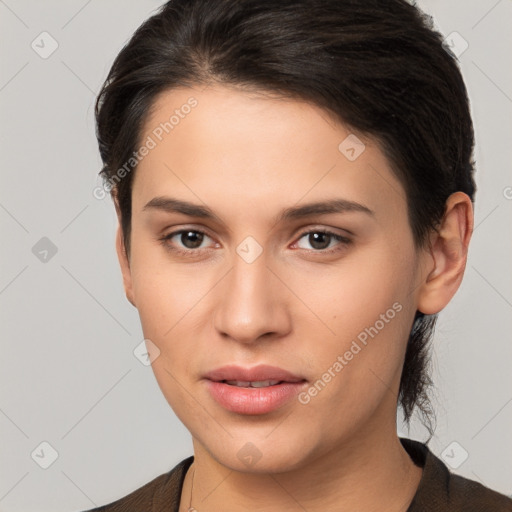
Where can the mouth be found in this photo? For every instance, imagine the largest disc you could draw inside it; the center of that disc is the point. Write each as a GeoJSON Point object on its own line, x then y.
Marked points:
{"type": "Point", "coordinates": [253, 391]}
{"type": "Point", "coordinates": [254, 384]}
{"type": "Point", "coordinates": [258, 376]}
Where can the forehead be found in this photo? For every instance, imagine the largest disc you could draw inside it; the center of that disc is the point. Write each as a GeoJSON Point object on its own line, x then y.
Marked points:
{"type": "Point", "coordinates": [216, 142]}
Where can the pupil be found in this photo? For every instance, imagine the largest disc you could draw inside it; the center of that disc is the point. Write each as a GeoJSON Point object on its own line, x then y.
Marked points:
{"type": "Point", "coordinates": [315, 239]}
{"type": "Point", "coordinates": [191, 239]}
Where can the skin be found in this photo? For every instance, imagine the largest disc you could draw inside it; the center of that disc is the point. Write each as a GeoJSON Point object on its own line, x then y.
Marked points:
{"type": "Point", "coordinates": [248, 156]}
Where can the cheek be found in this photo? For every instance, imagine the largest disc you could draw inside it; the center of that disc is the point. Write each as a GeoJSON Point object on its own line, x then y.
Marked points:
{"type": "Point", "coordinates": [174, 302]}
{"type": "Point", "coordinates": [350, 295]}
{"type": "Point", "coordinates": [164, 292]}
{"type": "Point", "coordinates": [165, 302]}
{"type": "Point", "coordinates": [367, 305]}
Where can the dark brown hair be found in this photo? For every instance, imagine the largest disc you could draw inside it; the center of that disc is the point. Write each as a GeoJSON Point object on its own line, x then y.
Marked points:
{"type": "Point", "coordinates": [378, 66]}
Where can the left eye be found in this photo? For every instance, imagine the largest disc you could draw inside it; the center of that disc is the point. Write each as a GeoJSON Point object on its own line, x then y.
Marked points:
{"type": "Point", "coordinates": [321, 240]}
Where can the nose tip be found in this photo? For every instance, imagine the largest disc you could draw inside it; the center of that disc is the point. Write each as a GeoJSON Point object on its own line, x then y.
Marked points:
{"type": "Point", "coordinates": [249, 308]}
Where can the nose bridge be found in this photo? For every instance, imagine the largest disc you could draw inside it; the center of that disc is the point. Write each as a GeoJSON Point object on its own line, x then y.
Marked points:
{"type": "Point", "coordinates": [249, 304]}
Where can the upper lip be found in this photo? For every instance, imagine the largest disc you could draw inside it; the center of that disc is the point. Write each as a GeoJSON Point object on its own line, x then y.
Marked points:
{"type": "Point", "coordinates": [256, 373]}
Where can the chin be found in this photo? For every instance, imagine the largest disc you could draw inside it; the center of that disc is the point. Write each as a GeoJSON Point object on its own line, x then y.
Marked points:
{"type": "Point", "coordinates": [262, 453]}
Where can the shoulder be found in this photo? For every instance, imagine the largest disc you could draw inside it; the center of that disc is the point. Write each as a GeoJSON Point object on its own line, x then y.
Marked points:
{"type": "Point", "coordinates": [476, 497]}
{"type": "Point", "coordinates": [161, 493]}
{"type": "Point", "coordinates": [440, 490]}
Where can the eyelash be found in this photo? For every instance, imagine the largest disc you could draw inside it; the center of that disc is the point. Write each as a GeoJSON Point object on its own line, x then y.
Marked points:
{"type": "Point", "coordinates": [190, 252]}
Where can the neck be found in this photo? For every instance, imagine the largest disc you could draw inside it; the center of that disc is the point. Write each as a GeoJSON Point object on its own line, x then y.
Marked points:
{"type": "Point", "coordinates": [368, 473]}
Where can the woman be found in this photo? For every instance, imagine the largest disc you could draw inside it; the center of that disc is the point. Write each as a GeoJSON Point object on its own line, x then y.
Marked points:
{"type": "Point", "coordinates": [294, 187]}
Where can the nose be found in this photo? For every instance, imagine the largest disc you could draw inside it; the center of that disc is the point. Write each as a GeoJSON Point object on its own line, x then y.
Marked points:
{"type": "Point", "coordinates": [252, 302]}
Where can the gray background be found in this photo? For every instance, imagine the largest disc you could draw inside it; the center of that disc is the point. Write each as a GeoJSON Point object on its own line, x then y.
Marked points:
{"type": "Point", "coordinates": [68, 373]}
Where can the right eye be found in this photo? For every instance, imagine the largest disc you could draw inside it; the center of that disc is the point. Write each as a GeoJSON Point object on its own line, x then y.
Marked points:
{"type": "Point", "coordinates": [190, 240]}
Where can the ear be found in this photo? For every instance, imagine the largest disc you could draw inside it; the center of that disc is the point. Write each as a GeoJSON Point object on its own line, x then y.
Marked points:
{"type": "Point", "coordinates": [123, 258]}
{"type": "Point", "coordinates": [448, 255]}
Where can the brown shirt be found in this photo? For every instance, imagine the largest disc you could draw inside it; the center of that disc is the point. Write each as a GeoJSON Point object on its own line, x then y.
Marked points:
{"type": "Point", "coordinates": [438, 491]}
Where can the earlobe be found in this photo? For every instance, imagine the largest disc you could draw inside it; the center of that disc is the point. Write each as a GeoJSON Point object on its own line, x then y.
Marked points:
{"type": "Point", "coordinates": [124, 263]}
{"type": "Point", "coordinates": [448, 251]}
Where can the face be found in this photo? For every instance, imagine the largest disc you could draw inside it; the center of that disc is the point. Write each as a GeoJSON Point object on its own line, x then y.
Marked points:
{"type": "Point", "coordinates": [247, 275]}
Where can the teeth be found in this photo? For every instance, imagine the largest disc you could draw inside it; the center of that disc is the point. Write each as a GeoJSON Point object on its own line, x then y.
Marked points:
{"type": "Point", "coordinates": [239, 383]}
{"type": "Point", "coordinates": [253, 384]}
{"type": "Point", "coordinates": [264, 383]}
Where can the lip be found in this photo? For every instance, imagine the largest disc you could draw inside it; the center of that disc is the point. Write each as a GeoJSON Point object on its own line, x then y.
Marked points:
{"type": "Point", "coordinates": [260, 372]}
{"type": "Point", "coordinates": [253, 401]}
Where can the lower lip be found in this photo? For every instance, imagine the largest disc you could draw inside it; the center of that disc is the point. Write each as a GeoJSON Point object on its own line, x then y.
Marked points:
{"type": "Point", "coordinates": [253, 400]}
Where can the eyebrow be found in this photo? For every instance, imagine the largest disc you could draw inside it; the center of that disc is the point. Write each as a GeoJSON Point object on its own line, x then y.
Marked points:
{"type": "Point", "coordinates": [171, 205]}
